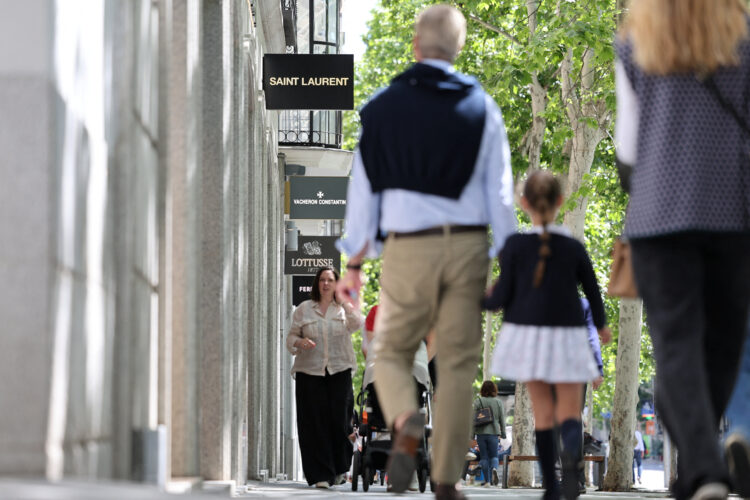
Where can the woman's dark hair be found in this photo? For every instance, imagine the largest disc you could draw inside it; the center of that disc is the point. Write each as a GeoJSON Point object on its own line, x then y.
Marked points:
{"type": "Point", "coordinates": [488, 390]}
{"type": "Point", "coordinates": [315, 292]}
{"type": "Point", "coordinates": [542, 189]}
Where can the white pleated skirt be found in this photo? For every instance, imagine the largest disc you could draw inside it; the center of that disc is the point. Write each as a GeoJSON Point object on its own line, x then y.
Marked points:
{"type": "Point", "coordinates": [553, 354]}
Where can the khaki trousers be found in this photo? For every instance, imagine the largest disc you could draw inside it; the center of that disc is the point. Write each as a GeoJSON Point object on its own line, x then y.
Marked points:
{"type": "Point", "coordinates": [433, 282]}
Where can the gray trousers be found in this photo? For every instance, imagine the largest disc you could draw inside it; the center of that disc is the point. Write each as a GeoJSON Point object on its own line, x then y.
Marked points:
{"type": "Point", "coordinates": [696, 291]}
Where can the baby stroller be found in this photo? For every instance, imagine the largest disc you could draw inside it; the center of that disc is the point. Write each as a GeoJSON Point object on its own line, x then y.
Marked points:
{"type": "Point", "coordinates": [375, 447]}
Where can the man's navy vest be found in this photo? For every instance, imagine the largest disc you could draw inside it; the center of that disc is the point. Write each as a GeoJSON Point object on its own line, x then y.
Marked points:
{"type": "Point", "coordinates": [423, 132]}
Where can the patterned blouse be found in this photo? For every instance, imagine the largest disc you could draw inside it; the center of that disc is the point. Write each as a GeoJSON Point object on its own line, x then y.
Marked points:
{"type": "Point", "coordinates": [331, 333]}
{"type": "Point", "coordinates": [691, 161]}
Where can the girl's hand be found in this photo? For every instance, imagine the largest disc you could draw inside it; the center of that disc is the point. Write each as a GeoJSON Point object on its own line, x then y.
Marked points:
{"type": "Point", "coordinates": [305, 344]}
{"type": "Point", "coordinates": [605, 334]}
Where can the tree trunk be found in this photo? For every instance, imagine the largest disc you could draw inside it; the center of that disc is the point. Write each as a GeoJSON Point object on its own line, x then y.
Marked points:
{"type": "Point", "coordinates": [535, 136]}
{"type": "Point", "coordinates": [585, 138]}
{"type": "Point", "coordinates": [522, 473]}
{"type": "Point", "coordinates": [669, 458]}
{"type": "Point", "coordinates": [619, 475]}
{"type": "Point", "coordinates": [588, 422]}
{"type": "Point", "coordinates": [488, 320]}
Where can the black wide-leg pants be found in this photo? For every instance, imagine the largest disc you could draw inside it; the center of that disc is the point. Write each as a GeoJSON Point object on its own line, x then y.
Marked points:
{"type": "Point", "coordinates": [696, 291]}
{"type": "Point", "coordinates": [324, 412]}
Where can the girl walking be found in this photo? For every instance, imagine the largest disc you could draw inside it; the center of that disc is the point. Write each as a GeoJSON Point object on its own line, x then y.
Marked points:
{"type": "Point", "coordinates": [543, 341]}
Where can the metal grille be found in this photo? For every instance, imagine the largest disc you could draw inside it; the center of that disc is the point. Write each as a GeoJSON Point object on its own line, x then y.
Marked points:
{"type": "Point", "coordinates": [310, 128]}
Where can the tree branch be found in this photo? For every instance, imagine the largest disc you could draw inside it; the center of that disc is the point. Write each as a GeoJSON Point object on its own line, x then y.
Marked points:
{"type": "Point", "coordinates": [492, 27]}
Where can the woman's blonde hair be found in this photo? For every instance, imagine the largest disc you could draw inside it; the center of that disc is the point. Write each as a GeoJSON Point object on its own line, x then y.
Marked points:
{"type": "Point", "coordinates": [678, 36]}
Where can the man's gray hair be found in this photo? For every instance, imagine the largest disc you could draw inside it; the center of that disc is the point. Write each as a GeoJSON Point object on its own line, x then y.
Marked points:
{"type": "Point", "coordinates": [441, 32]}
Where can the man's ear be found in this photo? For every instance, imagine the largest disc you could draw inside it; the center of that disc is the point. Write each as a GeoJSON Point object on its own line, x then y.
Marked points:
{"type": "Point", "coordinates": [415, 46]}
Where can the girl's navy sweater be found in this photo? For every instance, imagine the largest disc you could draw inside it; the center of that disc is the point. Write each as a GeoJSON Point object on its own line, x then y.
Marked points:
{"type": "Point", "coordinates": [556, 302]}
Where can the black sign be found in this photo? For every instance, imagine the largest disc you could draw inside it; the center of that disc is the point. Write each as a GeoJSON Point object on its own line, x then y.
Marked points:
{"type": "Point", "coordinates": [301, 287]}
{"type": "Point", "coordinates": [308, 81]}
{"type": "Point", "coordinates": [317, 197]}
{"type": "Point", "coordinates": [314, 252]}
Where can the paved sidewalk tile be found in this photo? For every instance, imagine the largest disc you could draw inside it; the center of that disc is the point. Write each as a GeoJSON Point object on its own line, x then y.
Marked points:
{"type": "Point", "coordinates": [291, 489]}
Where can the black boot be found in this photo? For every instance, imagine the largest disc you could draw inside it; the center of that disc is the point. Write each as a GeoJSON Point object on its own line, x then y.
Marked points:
{"type": "Point", "coordinates": [571, 457]}
{"type": "Point", "coordinates": [546, 450]}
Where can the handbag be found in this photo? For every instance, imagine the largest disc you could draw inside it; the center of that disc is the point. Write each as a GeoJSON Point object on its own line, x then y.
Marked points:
{"type": "Point", "coordinates": [483, 416]}
{"type": "Point", "coordinates": [621, 279]}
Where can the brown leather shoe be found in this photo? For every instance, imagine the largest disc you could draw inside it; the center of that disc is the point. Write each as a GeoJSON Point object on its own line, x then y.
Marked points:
{"type": "Point", "coordinates": [448, 492]}
{"type": "Point", "coordinates": [402, 459]}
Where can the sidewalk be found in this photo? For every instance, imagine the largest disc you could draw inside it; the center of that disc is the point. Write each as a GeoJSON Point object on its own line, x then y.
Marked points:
{"type": "Point", "coordinates": [289, 489]}
{"type": "Point", "coordinates": [18, 489]}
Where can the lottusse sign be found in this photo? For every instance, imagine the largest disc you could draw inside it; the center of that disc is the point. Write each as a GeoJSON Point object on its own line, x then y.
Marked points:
{"type": "Point", "coordinates": [314, 252]}
{"type": "Point", "coordinates": [308, 81]}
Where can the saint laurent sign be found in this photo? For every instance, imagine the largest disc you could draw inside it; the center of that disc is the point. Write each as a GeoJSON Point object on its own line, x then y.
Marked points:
{"type": "Point", "coordinates": [317, 197]}
{"type": "Point", "coordinates": [314, 252]}
{"type": "Point", "coordinates": [308, 81]}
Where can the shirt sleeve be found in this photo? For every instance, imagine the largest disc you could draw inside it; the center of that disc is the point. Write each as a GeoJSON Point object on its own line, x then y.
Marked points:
{"type": "Point", "coordinates": [295, 331]}
{"type": "Point", "coordinates": [501, 419]}
{"type": "Point", "coordinates": [596, 347]}
{"type": "Point", "coordinates": [498, 179]}
{"type": "Point", "coordinates": [362, 214]}
{"type": "Point", "coordinates": [502, 291]}
{"type": "Point", "coordinates": [587, 278]}
{"type": "Point", "coordinates": [626, 121]}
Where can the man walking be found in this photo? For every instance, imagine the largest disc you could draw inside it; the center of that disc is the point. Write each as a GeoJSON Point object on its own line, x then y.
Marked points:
{"type": "Point", "coordinates": [432, 171]}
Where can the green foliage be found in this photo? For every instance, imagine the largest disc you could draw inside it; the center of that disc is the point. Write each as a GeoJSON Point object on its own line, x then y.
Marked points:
{"type": "Point", "coordinates": [501, 52]}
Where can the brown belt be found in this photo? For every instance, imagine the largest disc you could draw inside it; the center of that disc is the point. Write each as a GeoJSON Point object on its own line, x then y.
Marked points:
{"type": "Point", "coordinates": [439, 230]}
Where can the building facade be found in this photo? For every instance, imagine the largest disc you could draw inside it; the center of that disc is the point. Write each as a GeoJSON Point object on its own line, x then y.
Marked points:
{"type": "Point", "coordinates": [142, 295]}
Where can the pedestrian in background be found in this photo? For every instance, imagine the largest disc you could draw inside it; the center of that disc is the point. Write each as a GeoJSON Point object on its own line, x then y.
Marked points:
{"type": "Point", "coordinates": [487, 434]}
{"type": "Point", "coordinates": [544, 340]}
{"type": "Point", "coordinates": [638, 452]}
{"type": "Point", "coordinates": [683, 122]}
{"type": "Point", "coordinates": [320, 339]}
{"type": "Point", "coordinates": [431, 172]}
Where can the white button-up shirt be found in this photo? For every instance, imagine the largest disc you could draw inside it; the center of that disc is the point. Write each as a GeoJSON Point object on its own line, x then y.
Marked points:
{"type": "Point", "coordinates": [332, 334]}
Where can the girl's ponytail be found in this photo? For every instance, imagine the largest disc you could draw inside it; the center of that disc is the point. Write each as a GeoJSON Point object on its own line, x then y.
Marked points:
{"type": "Point", "coordinates": [544, 252]}
{"type": "Point", "coordinates": [542, 190]}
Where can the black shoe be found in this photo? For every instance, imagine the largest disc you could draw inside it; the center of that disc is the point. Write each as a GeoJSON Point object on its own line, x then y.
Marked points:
{"type": "Point", "coordinates": [570, 467]}
{"type": "Point", "coordinates": [738, 458]}
{"type": "Point", "coordinates": [495, 478]}
{"type": "Point", "coordinates": [581, 488]}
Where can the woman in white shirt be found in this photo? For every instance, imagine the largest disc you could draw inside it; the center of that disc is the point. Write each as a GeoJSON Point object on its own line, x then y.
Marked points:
{"type": "Point", "coordinates": [320, 339]}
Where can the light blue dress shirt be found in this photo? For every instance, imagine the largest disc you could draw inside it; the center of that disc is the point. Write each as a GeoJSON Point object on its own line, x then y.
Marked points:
{"type": "Point", "coordinates": [486, 199]}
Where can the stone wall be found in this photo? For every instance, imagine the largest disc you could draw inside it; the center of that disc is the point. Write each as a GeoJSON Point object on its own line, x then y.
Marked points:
{"type": "Point", "coordinates": [141, 235]}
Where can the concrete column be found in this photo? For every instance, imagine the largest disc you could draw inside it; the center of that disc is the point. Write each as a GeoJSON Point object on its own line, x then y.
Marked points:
{"type": "Point", "coordinates": [27, 231]}
{"type": "Point", "coordinates": [214, 415]}
{"type": "Point", "coordinates": [183, 160]}
{"type": "Point", "coordinates": [121, 32]}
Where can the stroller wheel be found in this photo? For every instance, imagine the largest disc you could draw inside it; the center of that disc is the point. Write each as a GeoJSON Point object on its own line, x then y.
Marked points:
{"type": "Point", "coordinates": [422, 479]}
{"type": "Point", "coordinates": [366, 478]}
{"type": "Point", "coordinates": [356, 462]}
